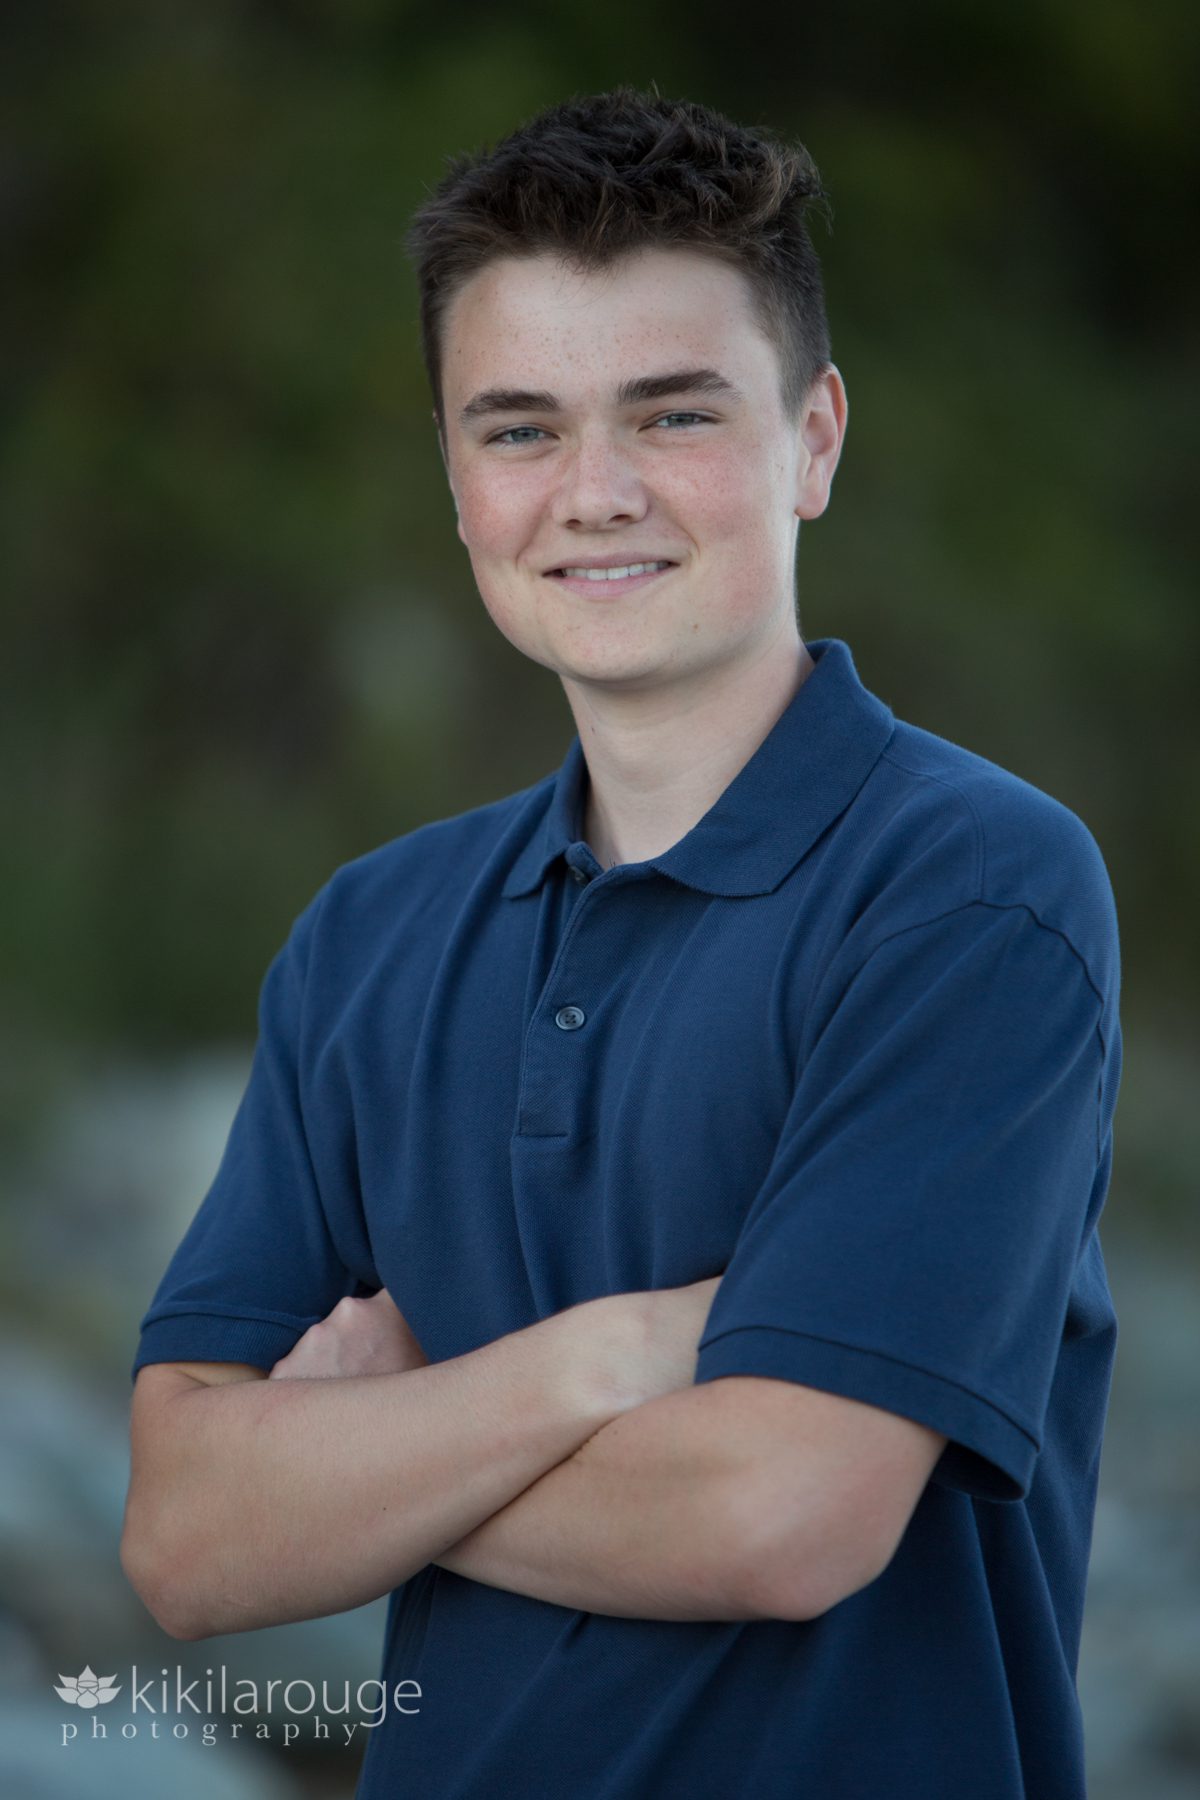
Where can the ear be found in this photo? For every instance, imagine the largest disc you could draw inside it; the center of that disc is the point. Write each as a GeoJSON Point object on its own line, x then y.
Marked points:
{"type": "Point", "coordinates": [822, 431]}
{"type": "Point", "coordinates": [450, 479]}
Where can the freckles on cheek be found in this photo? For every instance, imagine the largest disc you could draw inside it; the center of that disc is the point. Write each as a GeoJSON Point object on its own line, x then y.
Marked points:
{"type": "Point", "coordinates": [482, 520]}
{"type": "Point", "coordinates": [718, 493]}
{"type": "Point", "coordinates": [726, 510]}
{"type": "Point", "coordinates": [497, 522]}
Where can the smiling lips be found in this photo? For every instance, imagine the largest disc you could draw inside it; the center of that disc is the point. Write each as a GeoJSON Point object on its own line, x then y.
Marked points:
{"type": "Point", "coordinates": [589, 571]}
{"type": "Point", "coordinates": [607, 580]}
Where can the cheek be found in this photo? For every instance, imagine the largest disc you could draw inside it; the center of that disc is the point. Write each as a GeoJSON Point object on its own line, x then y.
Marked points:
{"type": "Point", "coordinates": [728, 502]}
{"type": "Point", "coordinates": [497, 517]}
{"type": "Point", "coordinates": [727, 494]}
{"type": "Point", "coordinates": [498, 521]}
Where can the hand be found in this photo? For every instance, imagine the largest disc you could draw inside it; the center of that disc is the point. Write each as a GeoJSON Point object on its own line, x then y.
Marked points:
{"type": "Point", "coordinates": [367, 1336]}
{"type": "Point", "coordinates": [643, 1344]}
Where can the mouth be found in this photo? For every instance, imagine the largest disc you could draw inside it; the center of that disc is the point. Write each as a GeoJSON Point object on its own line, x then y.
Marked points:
{"type": "Point", "coordinates": [600, 581]}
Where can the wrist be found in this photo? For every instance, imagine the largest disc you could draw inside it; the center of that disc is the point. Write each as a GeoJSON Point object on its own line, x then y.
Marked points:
{"type": "Point", "coordinates": [598, 1349]}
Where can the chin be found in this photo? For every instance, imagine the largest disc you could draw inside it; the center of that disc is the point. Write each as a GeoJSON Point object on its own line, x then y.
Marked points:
{"type": "Point", "coordinates": [628, 672]}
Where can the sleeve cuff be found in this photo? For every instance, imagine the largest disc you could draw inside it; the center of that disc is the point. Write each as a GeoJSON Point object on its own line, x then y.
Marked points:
{"type": "Point", "coordinates": [987, 1455]}
{"type": "Point", "coordinates": [217, 1337]}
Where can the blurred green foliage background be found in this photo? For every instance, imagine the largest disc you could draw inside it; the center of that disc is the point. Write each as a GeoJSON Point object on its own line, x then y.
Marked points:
{"type": "Point", "coordinates": [245, 642]}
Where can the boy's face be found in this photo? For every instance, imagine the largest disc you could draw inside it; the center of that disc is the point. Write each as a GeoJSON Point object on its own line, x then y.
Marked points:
{"type": "Point", "coordinates": [556, 471]}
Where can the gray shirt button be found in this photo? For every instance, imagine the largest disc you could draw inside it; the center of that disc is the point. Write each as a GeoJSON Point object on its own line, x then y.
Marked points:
{"type": "Point", "coordinates": [579, 875]}
{"type": "Point", "coordinates": [569, 1018]}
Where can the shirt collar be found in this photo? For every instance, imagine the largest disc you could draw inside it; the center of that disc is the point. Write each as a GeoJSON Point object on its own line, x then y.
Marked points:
{"type": "Point", "coordinates": [805, 773]}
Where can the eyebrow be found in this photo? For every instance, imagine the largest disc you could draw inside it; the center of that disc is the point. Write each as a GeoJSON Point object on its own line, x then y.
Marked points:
{"type": "Point", "coordinates": [637, 389]}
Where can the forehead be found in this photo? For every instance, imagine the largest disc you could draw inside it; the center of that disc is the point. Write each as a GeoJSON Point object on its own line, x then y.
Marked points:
{"type": "Point", "coordinates": [535, 321]}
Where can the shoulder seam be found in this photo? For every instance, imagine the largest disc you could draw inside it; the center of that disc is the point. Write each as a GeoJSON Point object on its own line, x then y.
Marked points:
{"type": "Point", "coordinates": [993, 906]}
{"type": "Point", "coordinates": [1053, 930]}
{"type": "Point", "coordinates": [889, 755]}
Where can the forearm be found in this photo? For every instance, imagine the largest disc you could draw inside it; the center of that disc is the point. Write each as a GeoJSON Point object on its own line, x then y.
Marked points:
{"type": "Point", "coordinates": [271, 1501]}
{"type": "Point", "coordinates": [637, 1523]}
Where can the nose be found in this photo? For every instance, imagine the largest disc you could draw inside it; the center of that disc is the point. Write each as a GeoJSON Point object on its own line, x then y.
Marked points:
{"type": "Point", "coordinates": [599, 487]}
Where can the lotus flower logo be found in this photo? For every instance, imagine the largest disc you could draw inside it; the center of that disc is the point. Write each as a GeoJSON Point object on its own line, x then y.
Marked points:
{"type": "Point", "coordinates": [87, 1689]}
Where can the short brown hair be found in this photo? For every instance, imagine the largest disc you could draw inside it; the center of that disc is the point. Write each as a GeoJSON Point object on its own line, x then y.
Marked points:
{"type": "Point", "coordinates": [596, 177]}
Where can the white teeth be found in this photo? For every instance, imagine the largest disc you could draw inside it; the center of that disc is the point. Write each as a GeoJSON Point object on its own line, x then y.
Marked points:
{"type": "Point", "coordinates": [615, 574]}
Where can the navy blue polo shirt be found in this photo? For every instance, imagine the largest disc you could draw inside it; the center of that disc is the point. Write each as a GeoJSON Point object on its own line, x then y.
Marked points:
{"type": "Point", "coordinates": [853, 1043]}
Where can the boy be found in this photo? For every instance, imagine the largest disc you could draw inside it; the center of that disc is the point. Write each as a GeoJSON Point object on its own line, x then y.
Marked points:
{"type": "Point", "coordinates": [719, 1127]}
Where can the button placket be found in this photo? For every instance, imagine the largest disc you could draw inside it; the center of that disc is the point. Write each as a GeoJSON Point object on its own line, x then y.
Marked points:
{"type": "Point", "coordinates": [555, 1039]}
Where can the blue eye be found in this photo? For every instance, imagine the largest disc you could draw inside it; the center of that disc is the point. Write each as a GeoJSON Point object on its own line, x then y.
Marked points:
{"type": "Point", "coordinates": [509, 434]}
{"type": "Point", "coordinates": [692, 418]}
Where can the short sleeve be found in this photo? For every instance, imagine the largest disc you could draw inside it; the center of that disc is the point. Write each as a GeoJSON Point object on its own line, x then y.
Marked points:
{"type": "Point", "coordinates": [259, 1263]}
{"type": "Point", "coordinates": [916, 1238]}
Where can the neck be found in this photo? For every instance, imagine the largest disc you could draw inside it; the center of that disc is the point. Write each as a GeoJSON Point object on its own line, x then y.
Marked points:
{"type": "Point", "coordinates": [658, 760]}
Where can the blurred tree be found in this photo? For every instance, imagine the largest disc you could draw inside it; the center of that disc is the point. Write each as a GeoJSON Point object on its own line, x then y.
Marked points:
{"type": "Point", "coordinates": [243, 642]}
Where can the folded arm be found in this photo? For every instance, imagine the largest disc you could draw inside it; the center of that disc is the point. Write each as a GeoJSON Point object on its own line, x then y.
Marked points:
{"type": "Point", "coordinates": [255, 1502]}
{"type": "Point", "coordinates": [743, 1498]}
{"type": "Point", "coordinates": [639, 1522]}
{"type": "Point", "coordinates": [740, 1498]}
